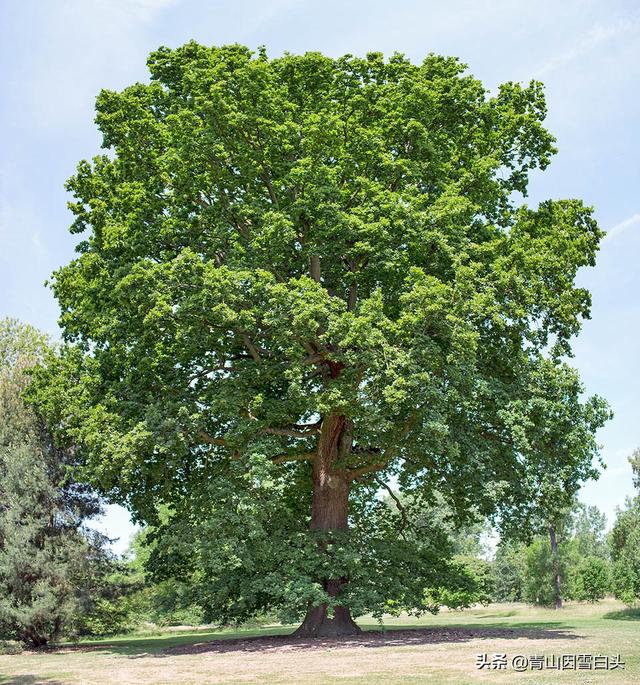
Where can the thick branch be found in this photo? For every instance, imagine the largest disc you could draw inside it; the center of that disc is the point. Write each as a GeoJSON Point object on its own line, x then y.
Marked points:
{"type": "Point", "coordinates": [272, 194]}
{"type": "Point", "coordinates": [312, 427]}
{"type": "Point", "coordinates": [205, 437]}
{"type": "Point", "coordinates": [314, 267]}
{"type": "Point", "coordinates": [298, 432]}
{"type": "Point", "coordinates": [354, 474]}
{"type": "Point", "coordinates": [315, 358]}
{"type": "Point", "coordinates": [353, 296]}
{"type": "Point", "coordinates": [303, 456]}
{"type": "Point", "coordinates": [398, 503]}
{"type": "Point", "coordinates": [251, 347]}
{"type": "Point", "coordinates": [223, 366]}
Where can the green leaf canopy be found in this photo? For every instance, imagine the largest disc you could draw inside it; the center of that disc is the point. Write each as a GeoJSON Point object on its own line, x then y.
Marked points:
{"type": "Point", "coordinates": [320, 261]}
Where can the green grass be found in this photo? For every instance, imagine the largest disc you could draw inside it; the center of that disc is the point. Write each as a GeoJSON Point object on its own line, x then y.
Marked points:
{"type": "Point", "coordinates": [446, 655]}
{"type": "Point", "coordinates": [153, 644]}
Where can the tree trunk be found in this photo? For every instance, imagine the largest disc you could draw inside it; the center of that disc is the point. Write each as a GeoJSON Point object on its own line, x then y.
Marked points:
{"type": "Point", "coordinates": [555, 564]}
{"type": "Point", "coordinates": [34, 638]}
{"type": "Point", "coordinates": [329, 513]}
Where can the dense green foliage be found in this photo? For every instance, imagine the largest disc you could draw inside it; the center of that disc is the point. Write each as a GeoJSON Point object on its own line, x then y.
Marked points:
{"type": "Point", "coordinates": [557, 431]}
{"type": "Point", "coordinates": [624, 542]}
{"type": "Point", "coordinates": [51, 566]}
{"type": "Point", "coordinates": [538, 585]}
{"type": "Point", "coordinates": [305, 275]}
{"type": "Point", "coordinates": [625, 552]}
{"type": "Point", "coordinates": [251, 552]}
{"type": "Point", "coordinates": [525, 571]}
{"type": "Point", "coordinates": [129, 600]}
{"type": "Point", "coordinates": [508, 572]}
{"type": "Point", "coordinates": [587, 525]}
{"type": "Point", "coordinates": [168, 601]}
{"type": "Point", "coordinates": [194, 554]}
{"type": "Point", "coordinates": [591, 580]}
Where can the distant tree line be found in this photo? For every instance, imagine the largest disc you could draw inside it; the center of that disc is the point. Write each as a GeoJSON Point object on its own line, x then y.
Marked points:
{"type": "Point", "coordinates": [527, 572]}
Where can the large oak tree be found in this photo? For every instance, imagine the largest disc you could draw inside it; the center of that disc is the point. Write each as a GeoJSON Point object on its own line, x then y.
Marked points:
{"type": "Point", "coordinates": [321, 269]}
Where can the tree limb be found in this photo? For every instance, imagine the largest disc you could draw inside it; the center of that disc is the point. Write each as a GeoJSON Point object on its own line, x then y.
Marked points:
{"type": "Point", "coordinates": [354, 474]}
{"type": "Point", "coordinates": [303, 456]}
{"type": "Point", "coordinates": [272, 194]}
{"type": "Point", "coordinates": [398, 503]}
{"type": "Point", "coordinates": [251, 347]}
{"type": "Point", "coordinates": [353, 296]}
{"type": "Point", "coordinates": [315, 358]}
{"type": "Point", "coordinates": [291, 432]}
{"type": "Point", "coordinates": [205, 437]}
{"type": "Point", "coordinates": [314, 267]}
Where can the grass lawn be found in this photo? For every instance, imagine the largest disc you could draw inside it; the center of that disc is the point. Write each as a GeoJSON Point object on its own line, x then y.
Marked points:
{"type": "Point", "coordinates": [434, 649]}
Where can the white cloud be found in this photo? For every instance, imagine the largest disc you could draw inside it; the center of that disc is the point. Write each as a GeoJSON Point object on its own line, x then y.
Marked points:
{"type": "Point", "coordinates": [589, 41]}
{"type": "Point", "coordinates": [622, 227]}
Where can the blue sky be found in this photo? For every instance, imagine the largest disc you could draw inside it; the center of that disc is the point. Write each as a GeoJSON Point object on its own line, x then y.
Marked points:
{"type": "Point", "coordinates": [55, 55]}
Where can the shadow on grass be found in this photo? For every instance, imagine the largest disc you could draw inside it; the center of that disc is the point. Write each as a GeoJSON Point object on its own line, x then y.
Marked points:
{"type": "Point", "coordinates": [274, 640]}
{"type": "Point", "coordinates": [140, 646]}
{"type": "Point", "coordinates": [499, 614]}
{"type": "Point", "coordinates": [630, 614]}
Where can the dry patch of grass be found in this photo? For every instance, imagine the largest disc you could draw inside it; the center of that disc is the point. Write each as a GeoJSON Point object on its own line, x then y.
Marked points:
{"type": "Point", "coordinates": [440, 649]}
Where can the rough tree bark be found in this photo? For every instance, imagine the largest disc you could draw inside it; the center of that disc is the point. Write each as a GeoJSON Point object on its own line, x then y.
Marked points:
{"type": "Point", "coordinates": [555, 560]}
{"type": "Point", "coordinates": [329, 512]}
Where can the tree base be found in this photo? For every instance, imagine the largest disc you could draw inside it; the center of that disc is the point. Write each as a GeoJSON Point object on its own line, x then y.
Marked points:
{"type": "Point", "coordinates": [317, 623]}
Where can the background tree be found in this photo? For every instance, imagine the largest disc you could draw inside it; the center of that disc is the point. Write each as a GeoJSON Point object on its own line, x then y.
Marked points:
{"type": "Point", "coordinates": [624, 543]}
{"type": "Point", "coordinates": [50, 564]}
{"type": "Point", "coordinates": [590, 575]}
{"type": "Point", "coordinates": [542, 566]}
{"type": "Point", "coordinates": [173, 600]}
{"type": "Point", "coordinates": [588, 528]}
{"type": "Point", "coordinates": [592, 579]}
{"type": "Point", "coordinates": [558, 430]}
{"type": "Point", "coordinates": [465, 544]}
{"type": "Point", "coordinates": [634, 460]}
{"type": "Point", "coordinates": [509, 571]}
{"type": "Point", "coordinates": [300, 276]}
{"type": "Point", "coordinates": [528, 572]}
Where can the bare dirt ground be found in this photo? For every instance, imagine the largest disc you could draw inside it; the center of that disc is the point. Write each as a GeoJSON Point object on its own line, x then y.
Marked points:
{"type": "Point", "coordinates": [370, 639]}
